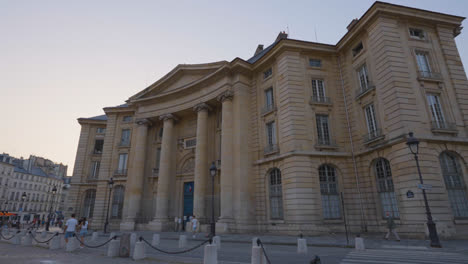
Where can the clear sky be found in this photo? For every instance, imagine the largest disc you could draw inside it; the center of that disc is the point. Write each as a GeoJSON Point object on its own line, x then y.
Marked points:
{"type": "Point", "coordinates": [60, 60]}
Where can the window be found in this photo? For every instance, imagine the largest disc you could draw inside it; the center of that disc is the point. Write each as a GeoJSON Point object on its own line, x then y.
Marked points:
{"type": "Point", "coordinates": [416, 33]}
{"type": "Point", "coordinates": [127, 119]}
{"type": "Point", "coordinates": [323, 134]}
{"type": "Point", "coordinates": [100, 130]}
{"type": "Point", "coordinates": [423, 63]}
{"type": "Point", "coordinates": [267, 73]}
{"type": "Point", "coordinates": [329, 192]}
{"type": "Point", "coordinates": [269, 100]}
{"type": "Point", "coordinates": [436, 110]}
{"type": "Point", "coordinates": [271, 133]}
{"type": "Point", "coordinates": [117, 202]}
{"type": "Point", "coordinates": [161, 131]}
{"type": "Point", "coordinates": [363, 76]}
{"type": "Point", "coordinates": [158, 157]}
{"type": "Point", "coordinates": [122, 167]}
{"type": "Point", "coordinates": [94, 170]}
{"type": "Point", "coordinates": [98, 146]}
{"type": "Point", "coordinates": [318, 91]}
{"type": "Point", "coordinates": [385, 188]}
{"type": "Point", "coordinates": [456, 188]}
{"type": "Point", "coordinates": [358, 49]}
{"type": "Point", "coordinates": [88, 203]}
{"type": "Point", "coordinates": [371, 122]}
{"type": "Point", "coordinates": [125, 139]}
{"type": "Point", "coordinates": [276, 194]}
{"type": "Point", "coordinates": [315, 63]}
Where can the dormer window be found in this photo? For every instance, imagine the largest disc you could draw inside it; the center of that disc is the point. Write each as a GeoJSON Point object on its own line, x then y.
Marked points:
{"type": "Point", "coordinates": [315, 63]}
{"type": "Point", "coordinates": [267, 73]}
{"type": "Point", "coordinates": [417, 33]}
{"type": "Point", "coordinates": [358, 49]}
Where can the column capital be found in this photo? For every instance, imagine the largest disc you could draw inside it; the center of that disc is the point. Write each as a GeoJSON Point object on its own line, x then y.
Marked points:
{"type": "Point", "coordinates": [226, 95]}
{"type": "Point", "coordinates": [167, 117]}
{"type": "Point", "coordinates": [143, 122]}
{"type": "Point", "coordinates": [202, 107]}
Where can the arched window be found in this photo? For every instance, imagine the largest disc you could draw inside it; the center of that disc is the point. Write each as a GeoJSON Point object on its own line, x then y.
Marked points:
{"type": "Point", "coordinates": [88, 204]}
{"type": "Point", "coordinates": [276, 194]}
{"type": "Point", "coordinates": [329, 191]}
{"type": "Point", "coordinates": [117, 202]}
{"type": "Point", "coordinates": [385, 188]}
{"type": "Point", "coordinates": [456, 188]}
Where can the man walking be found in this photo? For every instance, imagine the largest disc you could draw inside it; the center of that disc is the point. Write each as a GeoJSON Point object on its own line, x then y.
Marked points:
{"type": "Point", "coordinates": [391, 227]}
{"type": "Point", "coordinates": [194, 226]}
{"type": "Point", "coordinates": [70, 227]}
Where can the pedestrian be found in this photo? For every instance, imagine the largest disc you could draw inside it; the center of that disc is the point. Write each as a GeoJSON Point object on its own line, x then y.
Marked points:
{"type": "Point", "coordinates": [70, 227]}
{"type": "Point", "coordinates": [83, 231]}
{"type": "Point", "coordinates": [179, 223]}
{"type": "Point", "coordinates": [194, 226]}
{"type": "Point", "coordinates": [391, 227]}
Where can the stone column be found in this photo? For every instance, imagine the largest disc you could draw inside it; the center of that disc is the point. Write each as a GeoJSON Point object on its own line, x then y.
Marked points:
{"type": "Point", "coordinates": [201, 162]}
{"type": "Point", "coordinates": [161, 218]}
{"type": "Point", "coordinates": [134, 188]}
{"type": "Point", "coordinates": [226, 162]}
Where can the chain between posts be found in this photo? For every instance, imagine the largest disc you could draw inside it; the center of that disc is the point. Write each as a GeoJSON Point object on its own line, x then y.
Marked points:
{"type": "Point", "coordinates": [47, 241]}
{"type": "Point", "coordinates": [97, 246]}
{"type": "Point", "coordinates": [259, 243]}
{"type": "Point", "coordinates": [1, 234]}
{"type": "Point", "coordinates": [176, 252]}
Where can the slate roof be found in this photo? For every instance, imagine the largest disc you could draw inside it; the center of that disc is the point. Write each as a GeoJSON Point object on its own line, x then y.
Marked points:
{"type": "Point", "coordinates": [99, 117]}
{"type": "Point", "coordinates": [255, 58]}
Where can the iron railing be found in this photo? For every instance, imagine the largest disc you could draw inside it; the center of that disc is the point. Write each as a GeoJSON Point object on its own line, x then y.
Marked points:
{"type": "Point", "coordinates": [268, 108]}
{"type": "Point", "coordinates": [270, 149]}
{"type": "Point", "coordinates": [443, 126]}
{"type": "Point", "coordinates": [120, 172]}
{"type": "Point", "coordinates": [429, 75]}
{"type": "Point", "coordinates": [372, 135]}
{"type": "Point", "coordinates": [365, 90]}
{"type": "Point", "coordinates": [320, 100]}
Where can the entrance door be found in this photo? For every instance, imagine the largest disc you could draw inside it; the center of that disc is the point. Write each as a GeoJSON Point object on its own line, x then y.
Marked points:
{"type": "Point", "coordinates": [188, 198]}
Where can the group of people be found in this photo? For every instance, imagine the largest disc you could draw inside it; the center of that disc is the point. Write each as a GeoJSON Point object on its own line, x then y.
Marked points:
{"type": "Point", "coordinates": [72, 226]}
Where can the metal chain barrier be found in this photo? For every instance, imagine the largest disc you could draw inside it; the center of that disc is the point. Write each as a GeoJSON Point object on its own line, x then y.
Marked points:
{"type": "Point", "coordinates": [1, 234]}
{"type": "Point", "coordinates": [259, 243]}
{"type": "Point", "coordinates": [47, 241]}
{"type": "Point", "coordinates": [176, 252]}
{"type": "Point", "coordinates": [100, 245]}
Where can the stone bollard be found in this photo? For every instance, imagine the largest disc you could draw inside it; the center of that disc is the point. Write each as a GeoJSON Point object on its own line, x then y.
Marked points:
{"type": "Point", "coordinates": [113, 248]}
{"type": "Point", "coordinates": [133, 238]}
{"type": "Point", "coordinates": [44, 234]}
{"type": "Point", "coordinates": [112, 235]}
{"type": "Point", "coordinates": [301, 246]}
{"type": "Point", "coordinates": [27, 240]}
{"type": "Point", "coordinates": [254, 241]}
{"type": "Point", "coordinates": [94, 237]}
{"type": "Point", "coordinates": [16, 240]}
{"type": "Point", "coordinates": [211, 254]}
{"type": "Point", "coordinates": [217, 242]}
{"type": "Point", "coordinates": [257, 255]}
{"type": "Point", "coordinates": [182, 241]}
{"type": "Point", "coordinates": [72, 244]}
{"type": "Point", "coordinates": [139, 252]}
{"type": "Point", "coordinates": [359, 243]}
{"type": "Point", "coordinates": [156, 240]}
{"type": "Point", "coordinates": [54, 243]}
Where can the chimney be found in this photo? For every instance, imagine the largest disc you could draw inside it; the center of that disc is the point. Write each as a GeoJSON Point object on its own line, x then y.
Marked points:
{"type": "Point", "coordinates": [351, 25]}
{"type": "Point", "coordinates": [259, 49]}
{"type": "Point", "coordinates": [281, 35]}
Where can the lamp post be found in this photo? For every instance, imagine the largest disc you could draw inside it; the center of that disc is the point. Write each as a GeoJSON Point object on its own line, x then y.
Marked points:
{"type": "Point", "coordinates": [213, 170]}
{"type": "Point", "coordinates": [23, 198]}
{"type": "Point", "coordinates": [413, 144]}
{"type": "Point", "coordinates": [54, 191]}
{"type": "Point", "coordinates": [110, 183]}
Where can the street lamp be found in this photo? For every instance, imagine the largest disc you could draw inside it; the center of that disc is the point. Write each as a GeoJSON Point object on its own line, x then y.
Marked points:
{"type": "Point", "coordinates": [54, 191]}
{"type": "Point", "coordinates": [110, 183]}
{"type": "Point", "coordinates": [213, 170]}
{"type": "Point", "coordinates": [413, 144]}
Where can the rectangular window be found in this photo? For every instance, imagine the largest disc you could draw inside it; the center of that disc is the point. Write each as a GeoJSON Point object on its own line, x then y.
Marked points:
{"type": "Point", "coordinates": [267, 73]}
{"type": "Point", "coordinates": [323, 133]}
{"type": "Point", "coordinates": [127, 119]}
{"type": "Point", "coordinates": [98, 146]}
{"type": "Point", "coordinates": [158, 157]}
{"type": "Point", "coordinates": [318, 91]}
{"type": "Point", "coordinates": [423, 63]}
{"type": "Point", "coordinates": [125, 139]}
{"type": "Point", "coordinates": [363, 76]}
{"type": "Point", "coordinates": [315, 63]}
{"type": "Point", "coordinates": [122, 168]}
{"type": "Point", "coordinates": [271, 133]}
{"type": "Point", "coordinates": [358, 49]}
{"type": "Point", "coordinates": [269, 100]}
{"type": "Point", "coordinates": [95, 170]}
{"type": "Point", "coordinates": [436, 110]}
{"type": "Point", "coordinates": [190, 143]}
{"type": "Point", "coordinates": [100, 130]}
{"type": "Point", "coordinates": [371, 121]}
{"type": "Point", "coordinates": [416, 33]}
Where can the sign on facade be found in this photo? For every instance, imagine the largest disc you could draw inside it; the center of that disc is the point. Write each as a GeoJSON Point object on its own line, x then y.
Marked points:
{"type": "Point", "coordinates": [424, 186]}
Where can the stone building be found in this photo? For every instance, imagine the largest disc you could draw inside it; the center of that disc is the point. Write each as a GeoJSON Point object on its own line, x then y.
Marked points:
{"type": "Point", "coordinates": [306, 137]}
{"type": "Point", "coordinates": [26, 190]}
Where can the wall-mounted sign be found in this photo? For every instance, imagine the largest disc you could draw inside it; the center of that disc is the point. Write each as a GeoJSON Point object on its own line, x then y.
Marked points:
{"type": "Point", "coordinates": [410, 194]}
{"type": "Point", "coordinates": [424, 186]}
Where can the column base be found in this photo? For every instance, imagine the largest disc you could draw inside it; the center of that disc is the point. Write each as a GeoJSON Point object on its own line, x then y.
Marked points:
{"type": "Point", "coordinates": [160, 225]}
{"type": "Point", "coordinates": [127, 226]}
{"type": "Point", "coordinates": [223, 225]}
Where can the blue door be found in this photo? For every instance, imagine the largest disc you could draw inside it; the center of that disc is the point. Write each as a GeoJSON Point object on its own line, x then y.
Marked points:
{"type": "Point", "coordinates": [188, 198]}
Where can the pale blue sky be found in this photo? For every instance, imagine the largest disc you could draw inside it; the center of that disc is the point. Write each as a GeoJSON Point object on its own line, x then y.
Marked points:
{"type": "Point", "coordinates": [60, 60]}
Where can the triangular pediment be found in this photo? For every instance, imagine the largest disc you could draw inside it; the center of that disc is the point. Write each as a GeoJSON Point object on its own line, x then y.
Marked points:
{"type": "Point", "coordinates": [181, 77]}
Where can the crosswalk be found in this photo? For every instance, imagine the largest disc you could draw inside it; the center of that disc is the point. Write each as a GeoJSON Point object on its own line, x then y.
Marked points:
{"type": "Point", "coordinates": [385, 256]}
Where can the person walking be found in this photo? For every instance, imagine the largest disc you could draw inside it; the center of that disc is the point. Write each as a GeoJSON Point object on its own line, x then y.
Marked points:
{"type": "Point", "coordinates": [70, 227]}
{"type": "Point", "coordinates": [391, 227]}
{"type": "Point", "coordinates": [194, 226]}
{"type": "Point", "coordinates": [83, 231]}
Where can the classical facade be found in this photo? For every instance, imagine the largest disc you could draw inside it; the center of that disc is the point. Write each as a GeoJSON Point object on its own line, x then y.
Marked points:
{"type": "Point", "coordinates": [306, 137]}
